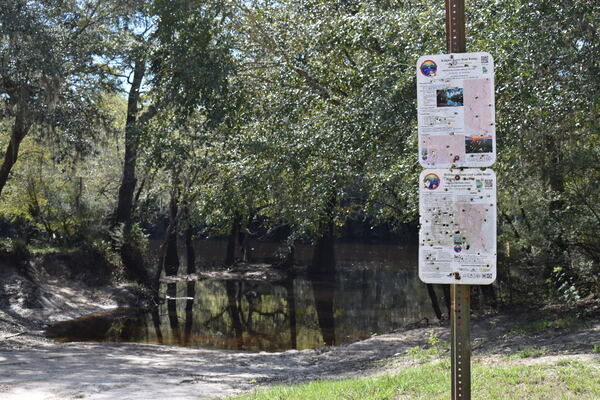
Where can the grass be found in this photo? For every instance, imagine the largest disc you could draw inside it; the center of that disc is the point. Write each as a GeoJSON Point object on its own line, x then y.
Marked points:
{"type": "Point", "coordinates": [434, 349]}
{"type": "Point", "coordinates": [41, 249]}
{"type": "Point", "coordinates": [528, 352]}
{"type": "Point", "coordinates": [569, 321]}
{"type": "Point", "coordinates": [431, 381]}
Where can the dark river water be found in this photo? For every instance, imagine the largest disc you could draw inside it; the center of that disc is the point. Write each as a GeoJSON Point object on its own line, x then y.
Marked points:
{"type": "Point", "coordinates": [376, 290]}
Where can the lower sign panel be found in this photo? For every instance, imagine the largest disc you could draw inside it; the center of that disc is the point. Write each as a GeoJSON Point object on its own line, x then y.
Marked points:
{"type": "Point", "coordinates": [457, 237]}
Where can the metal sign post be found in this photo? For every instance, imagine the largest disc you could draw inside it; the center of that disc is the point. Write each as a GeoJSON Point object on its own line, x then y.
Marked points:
{"type": "Point", "coordinates": [457, 198]}
{"type": "Point", "coordinates": [455, 26]}
{"type": "Point", "coordinates": [461, 341]}
{"type": "Point", "coordinates": [460, 295]}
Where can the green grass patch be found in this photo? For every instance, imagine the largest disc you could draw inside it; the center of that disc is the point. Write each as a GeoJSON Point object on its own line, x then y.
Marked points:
{"type": "Point", "coordinates": [431, 381]}
{"type": "Point", "coordinates": [41, 249]}
{"type": "Point", "coordinates": [434, 349]}
{"type": "Point", "coordinates": [528, 352]}
{"type": "Point", "coordinates": [569, 321]}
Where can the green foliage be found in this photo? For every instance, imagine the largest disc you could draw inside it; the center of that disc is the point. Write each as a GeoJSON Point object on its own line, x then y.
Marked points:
{"type": "Point", "coordinates": [564, 286]}
{"type": "Point", "coordinates": [192, 62]}
{"type": "Point", "coordinates": [49, 71]}
{"type": "Point", "coordinates": [15, 249]}
{"type": "Point", "coordinates": [435, 348]}
{"type": "Point", "coordinates": [548, 124]}
{"type": "Point", "coordinates": [66, 199]}
{"type": "Point", "coordinates": [136, 237]}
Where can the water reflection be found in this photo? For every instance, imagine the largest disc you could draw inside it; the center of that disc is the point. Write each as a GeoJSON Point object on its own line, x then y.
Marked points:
{"type": "Point", "coordinates": [360, 300]}
{"type": "Point", "coordinates": [324, 293]}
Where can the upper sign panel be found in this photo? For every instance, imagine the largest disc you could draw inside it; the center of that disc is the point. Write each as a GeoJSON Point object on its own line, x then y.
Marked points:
{"type": "Point", "coordinates": [455, 97]}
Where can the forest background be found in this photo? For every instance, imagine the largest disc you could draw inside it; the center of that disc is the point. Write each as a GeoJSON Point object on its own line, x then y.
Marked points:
{"type": "Point", "coordinates": [286, 121]}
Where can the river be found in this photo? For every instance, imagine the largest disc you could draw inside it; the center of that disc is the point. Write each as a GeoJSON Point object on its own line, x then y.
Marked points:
{"type": "Point", "coordinates": [375, 290]}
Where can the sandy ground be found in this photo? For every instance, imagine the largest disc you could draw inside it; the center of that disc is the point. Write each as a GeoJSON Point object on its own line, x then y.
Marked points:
{"type": "Point", "coordinates": [31, 367]}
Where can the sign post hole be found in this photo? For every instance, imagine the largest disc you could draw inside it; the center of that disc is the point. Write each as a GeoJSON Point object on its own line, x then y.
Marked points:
{"type": "Point", "coordinates": [460, 300]}
{"type": "Point", "coordinates": [460, 295]}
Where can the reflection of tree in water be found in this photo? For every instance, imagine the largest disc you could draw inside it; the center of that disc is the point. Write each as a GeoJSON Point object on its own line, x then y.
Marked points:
{"type": "Point", "coordinates": [240, 315]}
{"type": "Point", "coordinates": [172, 311]}
{"type": "Point", "coordinates": [234, 312]}
{"type": "Point", "coordinates": [291, 302]}
{"type": "Point", "coordinates": [266, 316]}
{"type": "Point", "coordinates": [156, 322]}
{"type": "Point", "coordinates": [324, 292]}
{"type": "Point", "coordinates": [376, 300]}
{"type": "Point", "coordinates": [252, 318]}
{"type": "Point", "coordinates": [189, 313]}
{"type": "Point", "coordinates": [275, 316]}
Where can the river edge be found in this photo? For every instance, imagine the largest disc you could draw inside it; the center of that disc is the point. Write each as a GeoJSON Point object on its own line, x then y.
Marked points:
{"type": "Point", "coordinates": [33, 367]}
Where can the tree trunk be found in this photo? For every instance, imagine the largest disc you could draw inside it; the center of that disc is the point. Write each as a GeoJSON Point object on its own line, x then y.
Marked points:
{"type": "Point", "coordinates": [489, 295]}
{"type": "Point", "coordinates": [559, 251]}
{"type": "Point", "coordinates": [245, 243]}
{"type": "Point", "coordinates": [133, 260]}
{"type": "Point", "coordinates": [434, 301]}
{"type": "Point", "coordinates": [128, 181]}
{"type": "Point", "coordinates": [168, 259]}
{"type": "Point", "coordinates": [19, 131]}
{"type": "Point", "coordinates": [131, 256]}
{"type": "Point", "coordinates": [233, 238]}
{"type": "Point", "coordinates": [287, 263]}
{"type": "Point", "coordinates": [447, 298]}
{"type": "Point", "coordinates": [554, 174]}
{"type": "Point", "coordinates": [323, 261]}
{"type": "Point", "coordinates": [171, 255]}
{"type": "Point", "coordinates": [189, 250]}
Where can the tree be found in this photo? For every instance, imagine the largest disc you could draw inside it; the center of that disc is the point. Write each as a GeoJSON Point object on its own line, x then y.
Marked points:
{"type": "Point", "coordinates": [333, 111]}
{"type": "Point", "coordinates": [187, 68]}
{"type": "Point", "coordinates": [547, 108]}
{"type": "Point", "coordinates": [49, 78]}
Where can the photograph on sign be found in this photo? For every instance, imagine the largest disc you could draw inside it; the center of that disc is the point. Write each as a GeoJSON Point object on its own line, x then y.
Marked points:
{"type": "Point", "coordinates": [457, 235]}
{"type": "Point", "coordinates": [456, 112]}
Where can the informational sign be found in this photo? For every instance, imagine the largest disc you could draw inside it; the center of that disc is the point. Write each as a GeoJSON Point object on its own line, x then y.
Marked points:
{"type": "Point", "coordinates": [456, 111]}
{"type": "Point", "coordinates": [457, 238]}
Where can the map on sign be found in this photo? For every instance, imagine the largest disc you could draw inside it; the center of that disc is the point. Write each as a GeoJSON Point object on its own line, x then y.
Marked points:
{"type": "Point", "coordinates": [456, 111]}
{"type": "Point", "coordinates": [457, 238]}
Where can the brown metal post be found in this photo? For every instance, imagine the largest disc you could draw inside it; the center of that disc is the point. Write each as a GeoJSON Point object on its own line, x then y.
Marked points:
{"type": "Point", "coordinates": [460, 309]}
{"type": "Point", "coordinates": [455, 26]}
{"type": "Point", "coordinates": [461, 341]}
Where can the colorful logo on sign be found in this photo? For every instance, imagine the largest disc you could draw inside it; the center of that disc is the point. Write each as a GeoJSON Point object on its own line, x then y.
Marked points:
{"type": "Point", "coordinates": [428, 68]}
{"type": "Point", "coordinates": [431, 181]}
{"type": "Point", "coordinates": [457, 243]}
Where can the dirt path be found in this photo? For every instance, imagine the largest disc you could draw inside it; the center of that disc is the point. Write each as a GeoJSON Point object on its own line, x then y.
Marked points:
{"type": "Point", "coordinates": [32, 367]}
